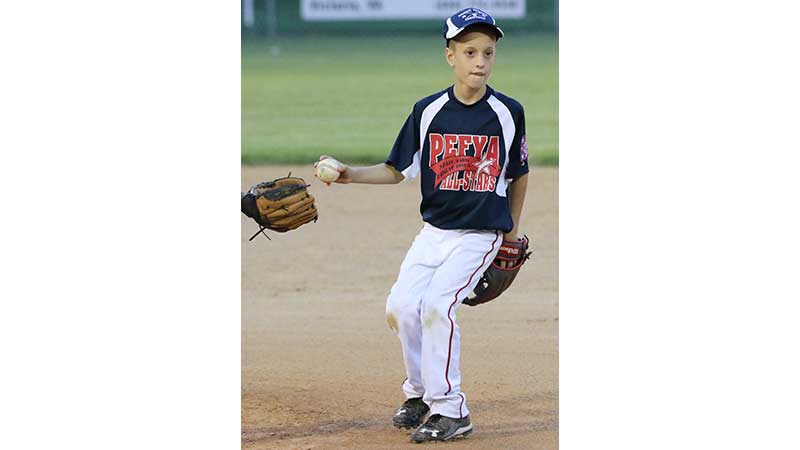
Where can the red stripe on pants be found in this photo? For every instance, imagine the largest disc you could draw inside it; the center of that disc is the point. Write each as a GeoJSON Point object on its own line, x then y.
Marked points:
{"type": "Point", "coordinates": [452, 325]}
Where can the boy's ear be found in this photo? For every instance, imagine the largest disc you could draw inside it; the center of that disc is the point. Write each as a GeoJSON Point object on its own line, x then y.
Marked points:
{"type": "Point", "coordinates": [449, 56]}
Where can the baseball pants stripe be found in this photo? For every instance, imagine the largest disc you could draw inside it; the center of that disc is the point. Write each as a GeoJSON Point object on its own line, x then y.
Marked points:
{"type": "Point", "coordinates": [440, 269]}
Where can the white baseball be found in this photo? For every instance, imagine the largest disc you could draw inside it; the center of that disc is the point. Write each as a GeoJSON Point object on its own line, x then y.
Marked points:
{"type": "Point", "coordinates": [327, 170]}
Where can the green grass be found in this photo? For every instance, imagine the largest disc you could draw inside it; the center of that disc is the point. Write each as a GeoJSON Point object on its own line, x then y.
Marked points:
{"type": "Point", "coordinates": [349, 96]}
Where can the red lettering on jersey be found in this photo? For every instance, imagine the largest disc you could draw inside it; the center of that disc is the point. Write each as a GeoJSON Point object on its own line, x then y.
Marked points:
{"type": "Point", "coordinates": [469, 177]}
{"type": "Point", "coordinates": [450, 149]}
{"type": "Point", "coordinates": [449, 183]}
{"type": "Point", "coordinates": [455, 170]}
{"type": "Point", "coordinates": [445, 183]}
{"type": "Point", "coordinates": [463, 142]}
{"type": "Point", "coordinates": [480, 183]}
{"type": "Point", "coordinates": [493, 152]}
{"type": "Point", "coordinates": [479, 142]}
{"type": "Point", "coordinates": [436, 147]}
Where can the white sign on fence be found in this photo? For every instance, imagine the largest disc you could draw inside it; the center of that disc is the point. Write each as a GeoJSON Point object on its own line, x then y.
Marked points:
{"type": "Point", "coordinates": [332, 10]}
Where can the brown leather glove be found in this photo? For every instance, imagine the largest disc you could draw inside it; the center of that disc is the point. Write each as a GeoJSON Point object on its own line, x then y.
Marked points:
{"type": "Point", "coordinates": [279, 205]}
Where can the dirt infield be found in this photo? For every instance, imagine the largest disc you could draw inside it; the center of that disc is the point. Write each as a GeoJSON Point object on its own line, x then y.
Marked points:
{"type": "Point", "coordinates": [322, 370]}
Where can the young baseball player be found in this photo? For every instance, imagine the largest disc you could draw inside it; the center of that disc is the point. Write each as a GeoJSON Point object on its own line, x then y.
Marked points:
{"type": "Point", "coordinates": [468, 144]}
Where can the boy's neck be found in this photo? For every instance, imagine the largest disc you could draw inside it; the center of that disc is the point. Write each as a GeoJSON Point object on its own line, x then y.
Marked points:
{"type": "Point", "coordinates": [468, 95]}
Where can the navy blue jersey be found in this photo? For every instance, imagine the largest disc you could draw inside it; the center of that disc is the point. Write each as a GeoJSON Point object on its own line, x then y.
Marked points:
{"type": "Point", "coordinates": [467, 154]}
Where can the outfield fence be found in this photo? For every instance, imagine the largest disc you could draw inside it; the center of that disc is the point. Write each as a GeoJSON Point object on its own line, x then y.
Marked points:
{"type": "Point", "coordinates": [265, 18]}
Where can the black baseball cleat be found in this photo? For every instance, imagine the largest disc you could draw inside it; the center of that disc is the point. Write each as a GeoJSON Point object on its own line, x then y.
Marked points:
{"type": "Point", "coordinates": [441, 428]}
{"type": "Point", "coordinates": [410, 414]}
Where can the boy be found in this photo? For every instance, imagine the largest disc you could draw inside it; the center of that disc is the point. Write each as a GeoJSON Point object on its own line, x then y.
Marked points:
{"type": "Point", "coordinates": [468, 142]}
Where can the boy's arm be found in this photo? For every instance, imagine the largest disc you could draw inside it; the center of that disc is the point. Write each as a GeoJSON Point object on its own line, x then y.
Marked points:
{"type": "Point", "coordinates": [516, 199]}
{"type": "Point", "coordinates": [377, 174]}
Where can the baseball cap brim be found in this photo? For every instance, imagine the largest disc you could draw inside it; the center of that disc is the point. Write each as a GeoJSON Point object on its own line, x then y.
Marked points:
{"type": "Point", "coordinates": [453, 31]}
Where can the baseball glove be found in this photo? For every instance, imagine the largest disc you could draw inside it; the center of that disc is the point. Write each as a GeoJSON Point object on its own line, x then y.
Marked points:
{"type": "Point", "coordinates": [496, 278]}
{"type": "Point", "coordinates": [279, 205]}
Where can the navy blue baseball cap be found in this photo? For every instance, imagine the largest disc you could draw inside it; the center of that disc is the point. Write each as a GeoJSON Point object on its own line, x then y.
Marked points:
{"type": "Point", "coordinates": [466, 18]}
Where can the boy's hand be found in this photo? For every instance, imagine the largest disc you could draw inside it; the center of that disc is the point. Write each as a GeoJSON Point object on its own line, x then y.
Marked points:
{"type": "Point", "coordinates": [345, 172]}
{"type": "Point", "coordinates": [510, 237]}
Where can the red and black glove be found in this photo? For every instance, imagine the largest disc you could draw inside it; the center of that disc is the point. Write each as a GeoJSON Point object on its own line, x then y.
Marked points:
{"type": "Point", "coordinates": [499, 276]}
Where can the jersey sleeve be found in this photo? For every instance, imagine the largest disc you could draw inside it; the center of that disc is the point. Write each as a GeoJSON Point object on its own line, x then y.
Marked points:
{"type": "Point", "coordinates": [405, 153]}
{"type": "Point", "coordinates": [518, 155]}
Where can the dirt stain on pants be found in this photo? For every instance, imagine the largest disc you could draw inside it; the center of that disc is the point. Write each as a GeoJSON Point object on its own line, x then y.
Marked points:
{"type": "Point", "coordinates": [429, 319]}
{"type": "Point", "coordinates": [392, 321]}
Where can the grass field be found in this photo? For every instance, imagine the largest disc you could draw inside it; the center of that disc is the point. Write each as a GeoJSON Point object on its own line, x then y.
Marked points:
{"type": "Point", "coordinates": [349, 96]}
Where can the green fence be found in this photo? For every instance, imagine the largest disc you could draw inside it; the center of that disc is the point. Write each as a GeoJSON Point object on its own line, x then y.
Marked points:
{"type": "Point", "coordinates": [282, 17]}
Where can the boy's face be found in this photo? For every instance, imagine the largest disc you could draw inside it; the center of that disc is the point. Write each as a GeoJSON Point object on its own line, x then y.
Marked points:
{"type": "Point", "coordinates": [472, 58]}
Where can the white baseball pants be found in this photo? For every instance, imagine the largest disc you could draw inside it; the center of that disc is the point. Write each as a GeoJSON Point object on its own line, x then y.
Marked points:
{"type": "Point", "coordinates": [440, 269]}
